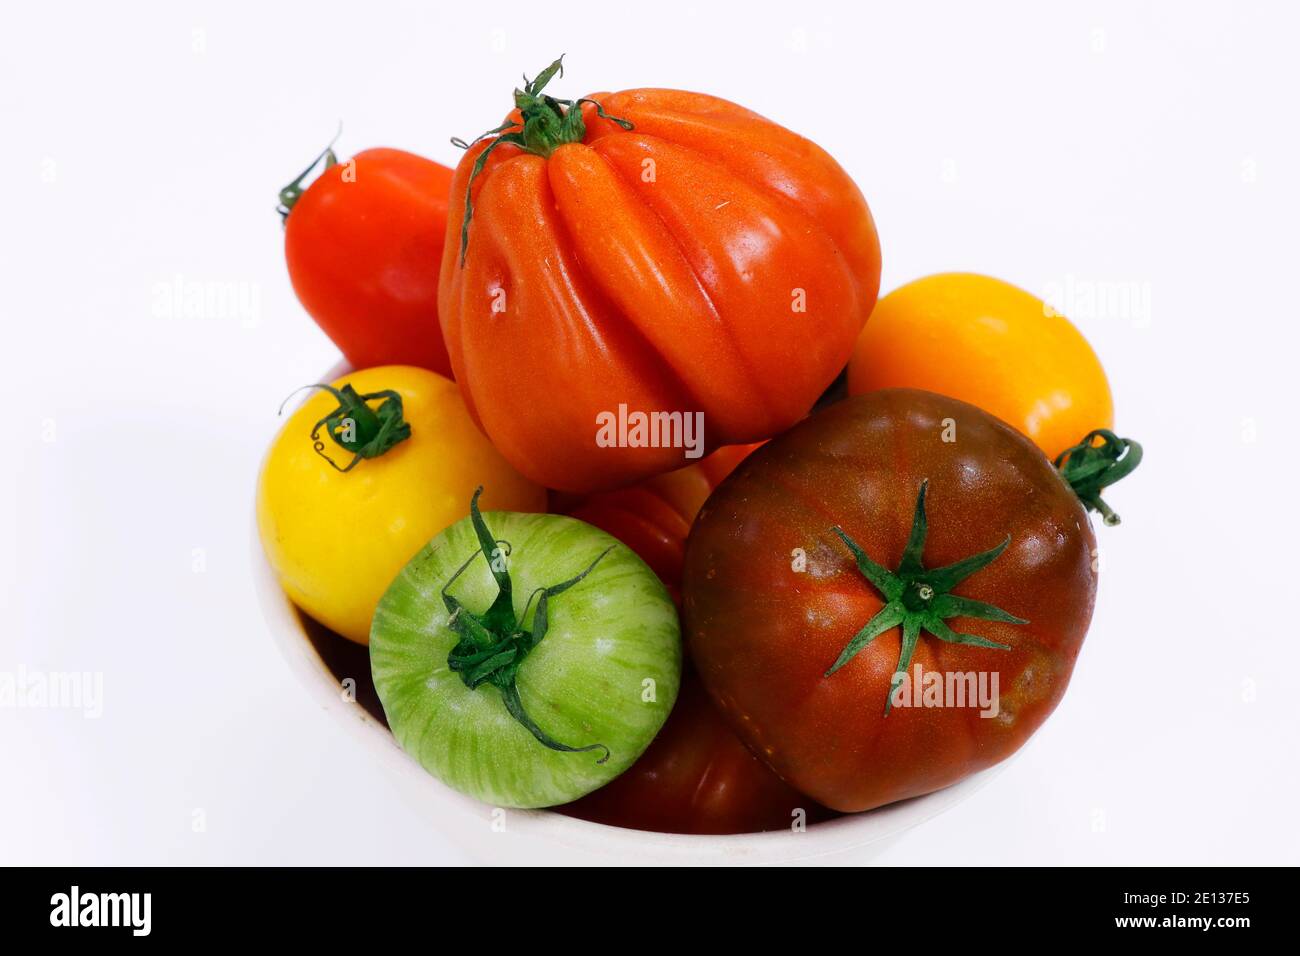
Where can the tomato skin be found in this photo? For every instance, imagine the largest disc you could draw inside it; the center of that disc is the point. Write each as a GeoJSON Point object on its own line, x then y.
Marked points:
{"type": "Point", "coordinates": [363, 254]}
{"type": "Point", "coordinates": [670, 291]}
{"type": "Point", "coordinates": [762, 634]}
{"type": "Point", "coordinates": [336, 540]}
{"type": "Point", "coordinates": [697, 777]}
{"type": "Point", "coordinates": [1019, 360]}
{"type": "Point", "coordinates": [654, 517]}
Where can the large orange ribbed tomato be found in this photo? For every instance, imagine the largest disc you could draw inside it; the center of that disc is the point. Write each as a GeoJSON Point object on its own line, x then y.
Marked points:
{"type": "Point", "coordinates": [643, 253]}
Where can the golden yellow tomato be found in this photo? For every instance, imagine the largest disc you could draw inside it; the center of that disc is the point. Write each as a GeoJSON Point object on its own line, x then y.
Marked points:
{"type": "Point", "coordinates": [337, 538]}
{"type": "Point", "coordinates": [989, 343]}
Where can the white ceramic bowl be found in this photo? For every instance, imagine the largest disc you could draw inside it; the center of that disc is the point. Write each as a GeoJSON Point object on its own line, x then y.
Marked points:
{"type": "Point", "coordinates": [321, 660]}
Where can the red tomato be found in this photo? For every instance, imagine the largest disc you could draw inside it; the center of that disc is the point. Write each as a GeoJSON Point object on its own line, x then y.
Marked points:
{"type": "Point", "coordinates": [362, 243]}
{"type": "Point", "coordinates": [654, 517]}
{"type": "Point", "coordinates": [781, 611]}
{"type": "Point", "coordinates": [682, 254]}
{"type": "Point", "coordinates": [697, 777]}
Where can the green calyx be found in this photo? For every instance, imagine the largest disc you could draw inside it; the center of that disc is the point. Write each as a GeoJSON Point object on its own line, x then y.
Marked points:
{"type": "Point", "coordinates": [356, 427]}
{"type": "Point", "coordinates": [493, 645]}
{"type": "Point", "coordinates": [1091, 467]}
{"type": "Point", "coordinates": [918, 598]}
{"type": "Point", "coordinates": [547, 124]}
{"type": "Point", "coordinates": [291, 193]}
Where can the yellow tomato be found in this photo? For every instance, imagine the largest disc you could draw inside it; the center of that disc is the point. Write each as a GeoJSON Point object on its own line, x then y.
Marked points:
{"type": "Point", "coordinates": [336, 539]}
{"type": "Point", "coordinates": [989, 343]}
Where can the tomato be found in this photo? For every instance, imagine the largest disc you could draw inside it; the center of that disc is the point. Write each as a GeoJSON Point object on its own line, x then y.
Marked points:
{"type": "Point", "coordinates": [697, 777]}
{"type": "Point", "coordinates": [336, 532]}
{"type": "Point", "coordinates": [362, 243]}
{"type": "Point", "coordinates": [989, 343]}
{"type": "Point", "coordinates": [829, 561]}
{"type": "Point", "coordinates": [654, 517]}
{"type": "Point", "coordinates": [661, 253]}
{"type": "Point", "coordinates": [520, 709]}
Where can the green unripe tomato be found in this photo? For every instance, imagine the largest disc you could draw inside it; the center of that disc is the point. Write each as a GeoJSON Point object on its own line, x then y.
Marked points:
{"type": "Point", "coordinates": [525, 659]}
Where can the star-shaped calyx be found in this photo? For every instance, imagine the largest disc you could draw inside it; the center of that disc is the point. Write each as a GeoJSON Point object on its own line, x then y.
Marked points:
{"type": "Point", "coordinates": [491, 646]}
{"type": "Point", "coordinates": [919, 598]}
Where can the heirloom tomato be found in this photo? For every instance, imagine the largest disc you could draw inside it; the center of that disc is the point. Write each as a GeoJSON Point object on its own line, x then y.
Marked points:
{"type": "Point", "coordinates": [362, 243]}
{"type": "Point", "coordinates": [889, 597]}
{"type": "Point", "coordinates": [525, 709]}
{"type": "Point", "coordinates": [989, 343]}
{"type": "Point", "coordinates": [361, 477]}
{"type": "Point", "coordinates": [697, 777]}
{"type": "Point", "coordinates": [646, 254]}
{"type": "Point", "coordinates": [654, 517]}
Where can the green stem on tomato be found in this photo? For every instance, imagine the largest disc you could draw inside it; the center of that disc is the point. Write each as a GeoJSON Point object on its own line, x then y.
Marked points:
{"type": "Point", "coordinates": [918, 598]}
{"type": "Point", "coordinates": [356, 427]}
{"type": "Point", "coordinates": [1089, 468]}
{"type": "Point", "coordinates": [291, 193]}
{"type": "Point", "coordinates": [491, 646]}
{"type": "Point", "coordinates": [547, 124]}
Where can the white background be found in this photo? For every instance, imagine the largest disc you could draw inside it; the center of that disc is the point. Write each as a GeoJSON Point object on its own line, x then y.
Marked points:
{"type": "Point", "coordinates": [1125, 146]}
